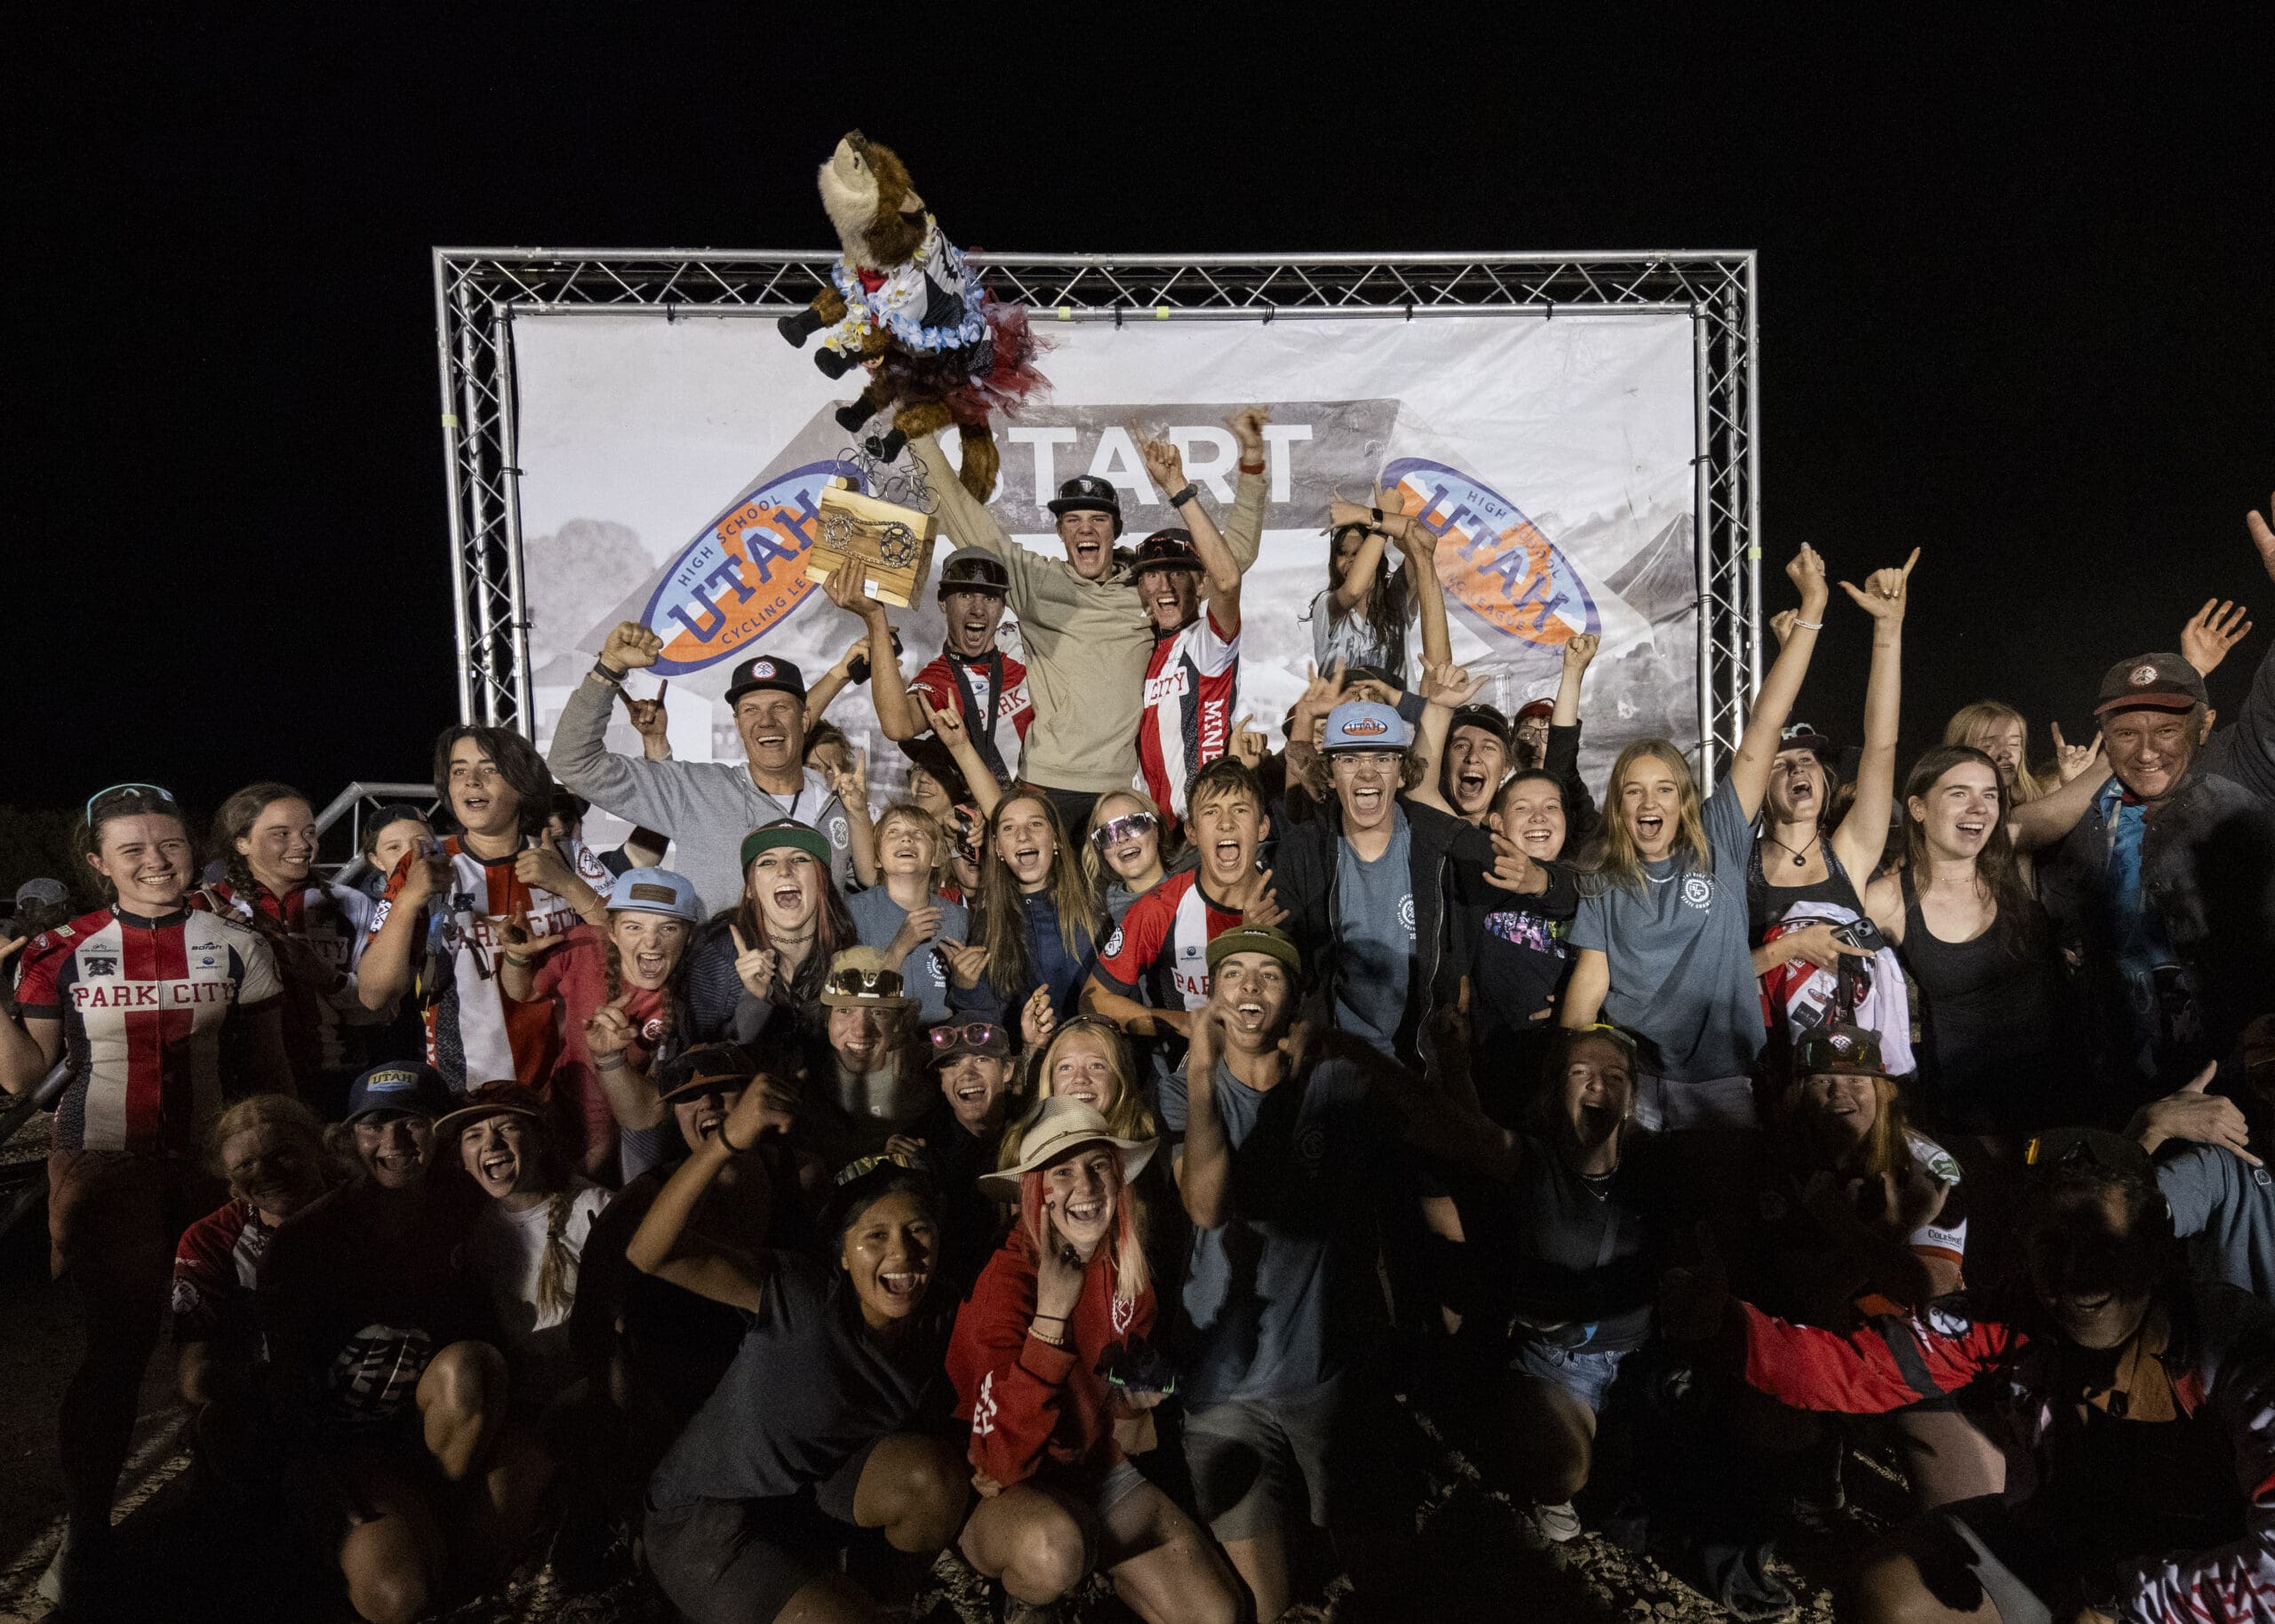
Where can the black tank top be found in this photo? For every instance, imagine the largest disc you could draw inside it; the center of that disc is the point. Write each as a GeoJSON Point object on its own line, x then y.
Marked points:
{"type": "Point", "coordinates": [1990, 1021]}
{"type": "Point", "coordinates": [1765, 904]}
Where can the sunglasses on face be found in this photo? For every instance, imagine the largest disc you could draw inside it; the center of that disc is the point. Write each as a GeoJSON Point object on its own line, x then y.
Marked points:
{"type": "Point", "coordinates": [979, 1035]}
{"type": "Point", "coordinates": [850, 983]}
{"type": "Point", "coordinates": [1128, 826]}
{"type": "Point", "coordinates": [101, 796]}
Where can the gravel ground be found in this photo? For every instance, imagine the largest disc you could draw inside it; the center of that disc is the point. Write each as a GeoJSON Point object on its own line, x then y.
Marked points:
{"type": "Point", "coordinates": [1472, 1560]}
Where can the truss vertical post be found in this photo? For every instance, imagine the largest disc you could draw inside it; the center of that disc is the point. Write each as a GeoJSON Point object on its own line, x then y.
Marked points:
{"type": "Point", "coordinates": [1701, 537]}
{"type": "Point", "coordinates": [1750, 461]}
{"type": "Point", "coordinates": [517, 627]}
{"type": "Point", "coordinates": [451, 430]}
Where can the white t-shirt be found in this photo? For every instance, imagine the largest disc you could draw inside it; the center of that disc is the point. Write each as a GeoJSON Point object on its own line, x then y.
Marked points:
{"type": "Point", "coordinates": [505, 1250]}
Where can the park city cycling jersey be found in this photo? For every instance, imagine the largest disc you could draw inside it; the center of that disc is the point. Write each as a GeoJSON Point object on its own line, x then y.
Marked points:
{"type": "Point", "coordinates": [1191, 684]}
{"type": "Point", "coordinates": [1162, 944]}
{"type": "Point", "coordinates": [949, 680]}
{"type": "Point", "coordinates": [473, 1035]}
{"type": "Point", "coordinates": [143, 1003]}
{"type": "Point", "coordinates": [333, 922]}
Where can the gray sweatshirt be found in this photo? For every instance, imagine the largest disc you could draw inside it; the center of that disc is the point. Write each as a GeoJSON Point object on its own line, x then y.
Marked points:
{"type": "Point", "coordinates": [705, 807]}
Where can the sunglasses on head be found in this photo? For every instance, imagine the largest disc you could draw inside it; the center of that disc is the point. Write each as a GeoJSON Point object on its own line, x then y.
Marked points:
{"type": "Point", "coordinates": [978, 1035]}
{"type": "Point", "coordinates": [1128, 826]}
{"type": "Point", "coordinates": [861, 1167]}
{"type": "Point", "coordinates": [850, 983]}
{"type": "Point", "coordinates": [101, 796]}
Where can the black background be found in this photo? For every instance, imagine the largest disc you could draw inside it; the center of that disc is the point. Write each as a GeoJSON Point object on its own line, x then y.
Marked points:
{"type": "Point", "coordinates": [2016, 303]}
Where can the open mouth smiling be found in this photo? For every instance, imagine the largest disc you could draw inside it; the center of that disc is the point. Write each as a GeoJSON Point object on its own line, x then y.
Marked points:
{"type": "Point", "coordinates": [904, 1285]}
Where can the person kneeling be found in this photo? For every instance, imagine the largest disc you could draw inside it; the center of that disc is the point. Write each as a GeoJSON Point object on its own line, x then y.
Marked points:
{"type": "Point", "coordinates": [1068, 1292]}
{"type": "Point", "coordinates": [817, 1429]}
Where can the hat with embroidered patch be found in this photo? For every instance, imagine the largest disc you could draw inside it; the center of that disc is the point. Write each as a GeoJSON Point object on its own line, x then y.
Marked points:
{"type": "Point", "coordinates": [2151, 682]}
{"type": "Point", "coordinates": [1170, 549]}
{"type": "Point", "coordinates": [407, 1090]}
{"type": "Point", "coordinates": [1838, 1049]}
{"type": "Point", "coordinates": [1361, 724]}
{"type": "Point", "coordinates": [1088, 493]}
{"type": "Point", "coordinates": [1488, 718]}
{"type": "Point", "coordinates": [655, 891]}
{"type": "Point", "coordinates": [764, 671]}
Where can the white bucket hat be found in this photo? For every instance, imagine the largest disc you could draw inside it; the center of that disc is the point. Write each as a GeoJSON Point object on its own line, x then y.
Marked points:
{"type": "Point", "coordinates": [1060, 1125]}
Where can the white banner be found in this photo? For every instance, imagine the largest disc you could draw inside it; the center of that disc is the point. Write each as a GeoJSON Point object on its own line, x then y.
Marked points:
{"type": "Point", "coordinates": [668, 472]}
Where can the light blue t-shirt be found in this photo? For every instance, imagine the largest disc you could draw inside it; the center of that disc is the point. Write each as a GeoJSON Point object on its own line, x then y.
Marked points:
{"type": "Point", "coordinates": [923, 976]}
{"type": "Point", "coordinates": [1376, 904]}
{"type": "Point", "coordinates": [1682, 967]}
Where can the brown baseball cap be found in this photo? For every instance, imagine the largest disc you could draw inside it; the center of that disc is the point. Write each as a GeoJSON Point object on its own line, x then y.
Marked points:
{"type": "Point", "coordinates": [2151, 683]}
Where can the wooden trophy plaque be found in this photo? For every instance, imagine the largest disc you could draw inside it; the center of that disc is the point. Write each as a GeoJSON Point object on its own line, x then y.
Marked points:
{"type": "Point", "coordinates": [893, 544]}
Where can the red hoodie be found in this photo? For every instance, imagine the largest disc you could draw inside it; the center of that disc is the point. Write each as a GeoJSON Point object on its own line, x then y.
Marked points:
{"type": "Point", "coordinates": [1030, 1404]}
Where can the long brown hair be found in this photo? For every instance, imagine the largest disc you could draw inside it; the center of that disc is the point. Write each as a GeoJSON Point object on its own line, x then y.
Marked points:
{"type": "Point", "coordinates": [136, 801]}
{"type": "Point", "coordinates": [1886, 1144]}
{"type": "Point", "coordinates": [235, 820]}
{"type": "Point", "coordinates": [1623, 865]}
{"type": "Point", "coordinates": [1998, 867]}
{"type": "Point", "coordinates": [1391, 601]}
{"type": "Point", "coordinates": [1010, 966]}
{"type": "Point", "coordinates": [833, 929]}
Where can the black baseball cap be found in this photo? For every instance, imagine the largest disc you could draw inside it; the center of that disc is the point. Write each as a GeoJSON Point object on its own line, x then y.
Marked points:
{"type": "Point", "coordinates": [1838, 1049]}
{"type": "Point", "coordinates": [1169, 549]}
{"type": "Point", "coordinates": [1088, 493]}
{"type": "Point", "coordinates": [703, 1067]}
{"type": "Point", "coordinates": [412, 1090]}
{"type": "Point", "coordinates": [765, 670]}
{"type": "Point", "coordinates": [1484, 717]}
{"type": "Point", "coordinates": [2151, 682]}
{"type": "Point", "coordinates": [1804, 736]}
{"type": "Point", "coordinates": [974, 569]}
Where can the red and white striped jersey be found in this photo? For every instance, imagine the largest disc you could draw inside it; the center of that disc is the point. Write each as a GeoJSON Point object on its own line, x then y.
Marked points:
{"type": "Point", "coordinates": [143, 1003]}
{"type": "Point", "coordinates": [1190, 685]}
{"type": "Point", "coordinates": [474, 1036]}
{"type": "Point", "coordinates": [217, 1269]}
{"type": "Point", "coordinates": [1162, 945]}
{"type": "Point", "coordinates": [324, 1026]}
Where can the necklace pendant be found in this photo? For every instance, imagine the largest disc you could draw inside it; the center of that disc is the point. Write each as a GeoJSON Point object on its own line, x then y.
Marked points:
{"type": "Point", "coordinates": [1801, 863]}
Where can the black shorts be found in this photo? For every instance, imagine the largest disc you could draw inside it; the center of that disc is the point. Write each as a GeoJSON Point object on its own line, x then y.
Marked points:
{"type": "Point", "coordinates": [736, 1561]}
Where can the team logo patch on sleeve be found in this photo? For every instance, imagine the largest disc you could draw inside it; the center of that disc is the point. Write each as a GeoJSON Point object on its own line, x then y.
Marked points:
{"type": "Point", "coordinates": [1113, 943]}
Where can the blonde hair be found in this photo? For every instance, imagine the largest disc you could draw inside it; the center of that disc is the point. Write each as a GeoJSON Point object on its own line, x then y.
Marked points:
{"type": "Point", "coordinates": [917, 818]}
{"type": "Point", "coordinates": [1623, 865]}
{"type": "Point", "coordinates": [1094, 869]}
{"type": "Point", "coordinates": [278, 1110]}
{"type": "Point", "coordinates": [1132, 1273]}
{"type": "Point", "coordinates": [1886, 1146]}
{"type": "Point", "coordinates": [1129, 1120]}
{"type": "Point", "coordinates": [1971, 724]}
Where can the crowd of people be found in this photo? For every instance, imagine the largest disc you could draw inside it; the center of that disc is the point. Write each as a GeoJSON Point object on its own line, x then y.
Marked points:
{"type": "Point", "coordinates": [1054, 1171]}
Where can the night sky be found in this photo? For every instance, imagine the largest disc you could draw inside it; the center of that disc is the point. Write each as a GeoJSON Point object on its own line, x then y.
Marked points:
{"type": "Point", "coordinates": [2018, 303]}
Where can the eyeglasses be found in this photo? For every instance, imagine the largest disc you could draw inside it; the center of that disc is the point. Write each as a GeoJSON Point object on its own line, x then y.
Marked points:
{"type": "Point", "coordinates": [1128, 826]}
{"type": "Point", "coordinates": [978, 1035]}
{"type": "Point", "coordinates": [852, 983]}
{"type": "Point", "coordinates": [101, 796]}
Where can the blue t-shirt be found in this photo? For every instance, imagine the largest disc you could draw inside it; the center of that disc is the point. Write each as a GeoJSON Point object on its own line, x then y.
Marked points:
{"type": "Point", "coordinates": [1282, 1297]}
{"type": "Point", "coordinates": [923, 976]}
{"type": "Point", "coordinates": [2224, 1208]}
{"type": "Point", "coordinates": [1375, 902]}
{"type": "Point", "coordinates": [1682, 964]}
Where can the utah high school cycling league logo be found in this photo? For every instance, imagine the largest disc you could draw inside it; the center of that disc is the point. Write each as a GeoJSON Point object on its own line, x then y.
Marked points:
{"type": "Point", "coordinates": [744, 574]}
{"type": "Point", "coordinates": [1500, 567]}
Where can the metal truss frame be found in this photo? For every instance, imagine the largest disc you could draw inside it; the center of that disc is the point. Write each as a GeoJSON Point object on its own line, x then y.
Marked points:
{"type": "Point", "coordinates": [479, 291]}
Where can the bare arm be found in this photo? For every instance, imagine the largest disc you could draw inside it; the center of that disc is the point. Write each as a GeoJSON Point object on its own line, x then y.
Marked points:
{"type": "Point", "coordinates": [851, 788]}
{"type": "Point", "coordinates": [1358, 579]}
{"type": "Point", "coordinates": [1134, 1018]}
{"type": "Point", "coordinates": [2050, 817]}
{"type": "Point", "coordinates": [1420, 543]}
{"type": "Point", "coordinates": [1766, 724]}
{"type": "Point", "coordinates": [660, 1246]}
{"type": "Point", "coordinates": [1862, 834]}
{"type": "Point", "coordinates": [1579, 649]}
{"type": "Point", "coordinates": [1444, 688]}
{"type": "Point", "coordinates": [1204, 1165]}
{"type": "Point", "coordinates": [28, 1047]}
{"type": "Point", "coordinates": [947, 727]}
{"type": "Point", "coordinates": [887, 691]}
{"type": "Point", "coordinates": [1584, 994]}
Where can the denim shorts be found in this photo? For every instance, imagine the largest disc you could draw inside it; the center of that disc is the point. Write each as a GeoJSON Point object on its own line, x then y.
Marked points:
{"type": "Point", "coordinates": [1586, 1375]}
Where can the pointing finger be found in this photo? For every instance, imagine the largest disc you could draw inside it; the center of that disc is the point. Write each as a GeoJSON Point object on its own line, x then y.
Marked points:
{"type": "Point", "coordinates": [1910, 562]}
{"type": "Point", "coordinates": [736, 931]}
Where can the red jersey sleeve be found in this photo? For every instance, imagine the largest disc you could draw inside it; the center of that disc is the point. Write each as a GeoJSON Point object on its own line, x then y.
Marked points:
{"type": "Point", "coordinates": [1886, 1363]}
{"type": "Point", "coordinates": [41, 968]}
{"type": "Point", "coordinates": [394, 889]}
{"type": "Point", "coordinates": [933, 684]}
{"type": "Point", "coordinates": [1136, 941]}
{"type": "Point", "coordinates": [205, 1276]}
{"type": "Point", "coordinates": [1010, 1385]}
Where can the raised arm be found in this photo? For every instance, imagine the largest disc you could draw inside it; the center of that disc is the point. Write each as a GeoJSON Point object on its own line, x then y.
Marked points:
{"type": "Point", "coordinates": [1244, 529]}
{"type": "Point", "coordinates": [633, 787]}
{"type": "Point", "coordinates": [887, 691]}
{"type": "Point", "coordinates": [1419, 543]}
{"type": "Point", "coordinates": [661, 1246]}
{"type": "Point", "coordinates": [1584, 993]}
{"type": "Point", "coordinates": [851, 788]}
{"type": "Point", "coordinates": [385, 972]}
{"type": "Point", "coordinates": [2050, 817]}
{"type": "Point", "coordinates": [1766, 724]}
{"type": "Point", "coordinates": [947, 727]}
{"type": "Point", "coordinates": [1562, 760]}
{"type": "Point", "coordinates": [1445, 688]}
{"type": "Point", "coordinates": [1203, 1164]}
{"type": "Point", "coordinates": [1864, 833]}
{"type": "Point", "coordinates": [1221, 572]}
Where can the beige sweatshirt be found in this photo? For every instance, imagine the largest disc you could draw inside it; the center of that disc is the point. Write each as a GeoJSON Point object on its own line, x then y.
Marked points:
{"type": "Point", "coordinates": [1087, 642]}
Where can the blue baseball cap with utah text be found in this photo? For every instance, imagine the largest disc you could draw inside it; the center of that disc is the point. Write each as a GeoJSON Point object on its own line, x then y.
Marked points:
{"type": "Point", "coordinates": [413, 1090]}
{"type": "Point", "coordinates": [1361, 724]}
